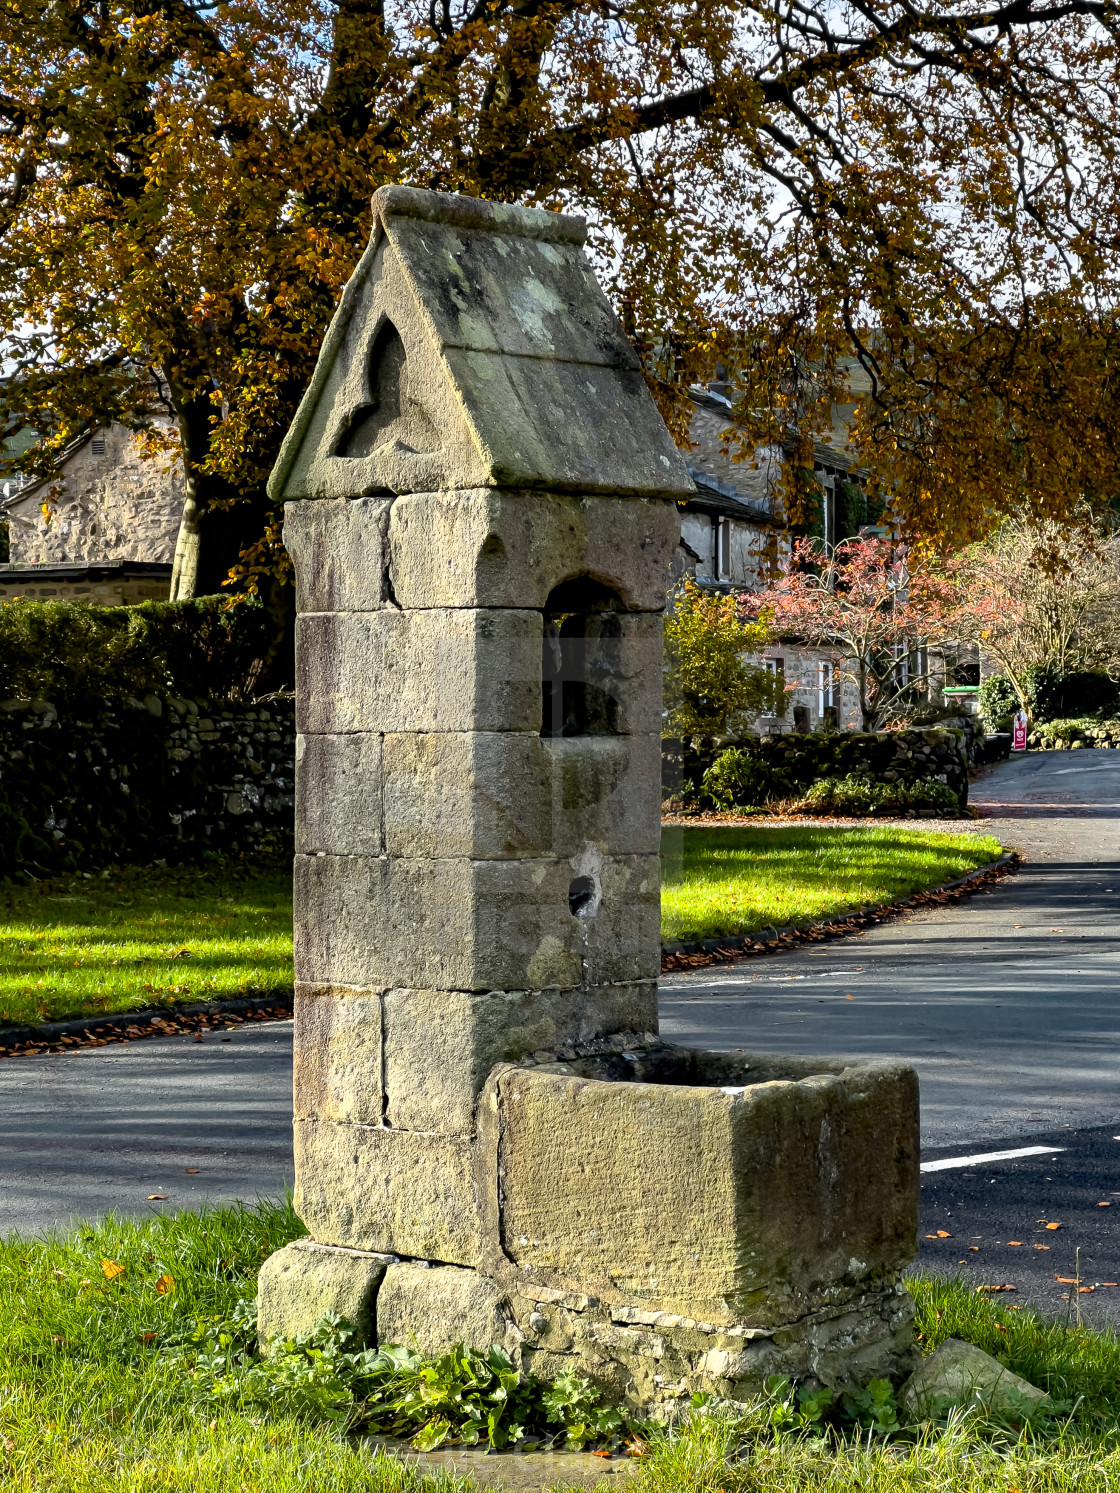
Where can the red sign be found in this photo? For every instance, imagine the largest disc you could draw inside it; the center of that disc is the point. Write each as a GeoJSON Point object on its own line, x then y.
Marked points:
{"type": "Point", "coordinates": [1019, 732]}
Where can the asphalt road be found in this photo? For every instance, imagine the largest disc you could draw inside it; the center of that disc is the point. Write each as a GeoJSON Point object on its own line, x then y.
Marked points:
{"type": "Point", "coordinates": [100, 1129]}
{"type": "Point", "coordinates": [1005, 1003]}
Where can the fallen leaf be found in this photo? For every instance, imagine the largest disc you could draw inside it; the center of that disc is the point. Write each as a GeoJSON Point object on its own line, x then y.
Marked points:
{"type": "Point", "coordinates": [1004, 1287]}
{"type": "Point", "coordinates": [1085, 1290]}
{"type": "Point", "coordinates": [1042, 1246]}
{"type": "Point", "coordinates": [1015, 1243]}
{"type": "Point", "coordinates": [849, 997]}
{"type": "Point", "coordinates": [975, 1248]}
{"type": "Point", "coordinates": [110, 1269]}
{"type": "Point", "coordinates": [1108, 1283]}
{"type": "Point", "coordinates": [943, 1234]}
{"type": "Point", "coordinates": [165, 1285]}
{"type": "Point", "coordinates": [1053, 1225]}
{"type": "Point", "coordinates": [157, 1197]}
{"type": "Point", "coordinates": [1067, 1280]}
{"type": "Point", "coordinates": [192, 1171]}
{"type": "Point", "coordinates": [600, 1454]}
{"type": "Point", "coordinates": [1104, 1205]}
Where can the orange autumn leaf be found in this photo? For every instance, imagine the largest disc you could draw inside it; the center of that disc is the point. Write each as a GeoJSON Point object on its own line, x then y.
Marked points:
{"type": "Point", "coordinates": [110, 1269]}
{"type": "Point", "coordinates": [165, 1285]}
{"type": "Point", "coordinates": [1053, 1225]}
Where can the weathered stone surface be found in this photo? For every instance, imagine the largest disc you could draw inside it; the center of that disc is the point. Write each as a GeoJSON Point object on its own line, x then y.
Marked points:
{"type": "Point", "coordinates": [339, 552]}
{"type": "Point", "coordinates": [656, 1360]}
{"type": "Point", "coordinates": [336, 1054]}
{"type": "Point", "coordinates": [757, 1202]}
{"type": "Point", "coordinates": [299, 1284]}
{"type": "Point", "coordinates": [394, 1190]}
{"type": "Point", "coordinates": [440, 1045]}
{"type": "Point", "coordinates": [506, 795]}
{"type": "Point", "coordinates": [961, 1374]}
{"type": "Point", "coordinates": [492, 548]}
{"type": "Point", "coordinates": [477, 925]}
{"type": "Point", "coordinates": [512, 369]}
{"type": "Point", "coordinates": [338, 794]}
{"type": "Point", "coordinates": [438, 670]}
{"type": "Point", "coordinates": [432, 1309]}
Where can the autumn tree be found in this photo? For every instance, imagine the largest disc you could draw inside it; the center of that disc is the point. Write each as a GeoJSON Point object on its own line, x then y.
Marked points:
{"type": "Point", "coordinates": [712, 686]}
{"type": "Point", "coordinates": [1042, 596]}
{"type": "Point", "coordinates": [924, 193]}
{"type": "Point", "coordinates": [873, 603]}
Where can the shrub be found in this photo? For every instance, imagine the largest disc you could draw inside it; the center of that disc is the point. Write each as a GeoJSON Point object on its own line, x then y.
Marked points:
{"type": "Point", "coordinates": [709, 687]}
{"type": "Point", "coordinates": [1050, 696]}
{"type": "Point", "coordinates": [1057, 696]}
{"type": "Point", "coordinates": [739, 779]}
{"type": "Point", "coordinates": [89, 656]}
{"type": "Point", "coordinates": [859, 794]}
{"type": "Point", "coordinates": [997, 702]}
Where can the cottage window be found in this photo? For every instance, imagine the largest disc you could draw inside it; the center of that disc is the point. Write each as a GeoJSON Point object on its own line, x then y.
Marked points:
{"type": "Point", "coordinates": [97, 445]}
{"type": "Point", "coordinates": [723, 550]}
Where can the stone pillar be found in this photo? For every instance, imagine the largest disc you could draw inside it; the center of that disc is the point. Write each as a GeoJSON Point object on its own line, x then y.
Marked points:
{"type": "Point", "coordinates": [491, 1142]}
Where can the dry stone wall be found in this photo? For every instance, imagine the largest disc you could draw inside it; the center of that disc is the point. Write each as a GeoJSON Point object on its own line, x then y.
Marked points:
{"type": "Point", "coordinates": [162, 778]}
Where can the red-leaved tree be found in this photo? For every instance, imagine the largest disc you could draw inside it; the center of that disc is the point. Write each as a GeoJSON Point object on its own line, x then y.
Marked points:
{"type": "Point", "coordinates": [872, 602]}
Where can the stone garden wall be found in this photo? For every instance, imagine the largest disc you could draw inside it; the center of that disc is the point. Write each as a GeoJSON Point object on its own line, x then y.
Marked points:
{"type": "Point", "coordinates": [141, 780]}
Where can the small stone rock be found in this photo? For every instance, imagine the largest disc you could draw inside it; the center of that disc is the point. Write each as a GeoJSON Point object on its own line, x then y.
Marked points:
{"type": "Point", "coordinates": [961, 1374]}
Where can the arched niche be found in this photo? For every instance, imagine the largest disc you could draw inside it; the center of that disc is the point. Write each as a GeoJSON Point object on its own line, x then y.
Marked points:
{"type": "Point", "coordinates": [580, 660]}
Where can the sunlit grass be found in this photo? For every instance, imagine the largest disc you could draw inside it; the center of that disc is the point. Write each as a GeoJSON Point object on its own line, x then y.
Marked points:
{"type": "Point", "coordinates": [144, 936]}
{"type": "Point", "coordinates": [742, 880]}
{"type": "Point", "coordinates": [88, 1406]}
{"type": "Point", "coordinates": [76, 946]}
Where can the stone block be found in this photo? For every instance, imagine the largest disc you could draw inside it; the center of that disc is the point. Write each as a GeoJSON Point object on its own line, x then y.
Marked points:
{"type": "Point", "coordinates": [438, 670]}
{"type": "Point", "coordinates": [339, 552]}
{"type": "Point", "coordinates": [486, 795]}
{"type": "Point", "coordinates": [760, 1200]}
{"type": "Point", "coordinates": [338, 794]}
{"type": "Point", "coordinates": [961, 1375]}
{"type": "Point", "coordinates": [489, 548]}
{"type": "Point", "coordinates": [435, 1308]}
{"type": "Point", "coordinates": [299, 1284]}
{"type": "Point", "coordinates": [440, 1045]}
{"type": "Point", "coordinates": [397, 1191]}
{"type": "Point", "coordinates": [336, 1054]}
{"type": "Point", "coordinates": [477, 924]}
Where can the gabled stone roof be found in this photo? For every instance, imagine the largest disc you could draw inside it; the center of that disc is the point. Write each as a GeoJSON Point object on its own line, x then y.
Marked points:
{"type": "Point", "coordinates": [473, 347]}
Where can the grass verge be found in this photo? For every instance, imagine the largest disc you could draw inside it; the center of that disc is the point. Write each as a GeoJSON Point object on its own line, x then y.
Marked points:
{"type": "Point", "coordinates": [89, 1401]}
{"type": "Point", "coordinates": [144, 936]}
{"type": "Point", "coordinates": [718, 882]}
{"type": "Point", "coordinates": [147, 936]}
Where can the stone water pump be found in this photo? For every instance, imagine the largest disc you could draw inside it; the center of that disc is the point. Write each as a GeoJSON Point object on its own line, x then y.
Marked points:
{"type": "Point", "coordinates": [492, 1144]}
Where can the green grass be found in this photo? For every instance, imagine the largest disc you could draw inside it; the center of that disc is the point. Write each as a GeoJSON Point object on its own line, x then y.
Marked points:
{"type": "Point", "coordinates": [77, 946]}
{"type": "Point", "coordinates": [144, 936]}
{"type": "Point", "coordinates": [89, 1405]}
{"type": "Point", "coordinates": [743, 880]}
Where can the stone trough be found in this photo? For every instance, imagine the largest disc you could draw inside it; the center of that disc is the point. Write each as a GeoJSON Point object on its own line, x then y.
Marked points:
{"type": "Point", "coordinates": [492, 1143]}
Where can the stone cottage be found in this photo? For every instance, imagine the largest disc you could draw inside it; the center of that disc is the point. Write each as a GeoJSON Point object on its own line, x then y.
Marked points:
{"type": "Point", "coordinates": [101, 528]}
{"type": "Point", "coordinates": [732, 538]}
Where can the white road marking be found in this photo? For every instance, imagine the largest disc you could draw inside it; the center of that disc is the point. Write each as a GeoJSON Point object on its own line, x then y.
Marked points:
{"type": "Point", "coordinates": [952, 1161]}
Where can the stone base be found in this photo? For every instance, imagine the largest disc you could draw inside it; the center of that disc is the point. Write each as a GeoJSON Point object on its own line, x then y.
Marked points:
{"type": "Point", "coordinates": [649, 1360]}
{"type": "Point", "coordinates": [299, 1284]}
